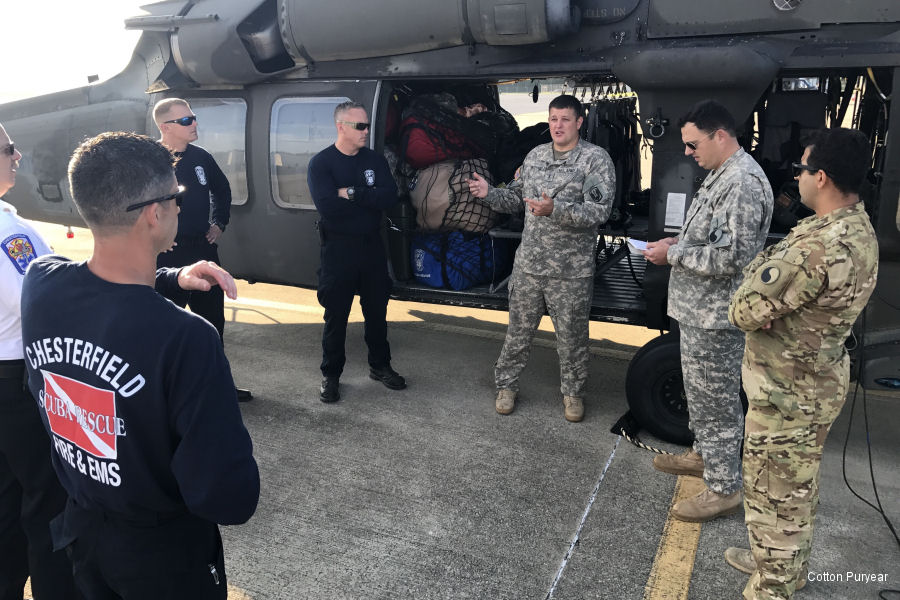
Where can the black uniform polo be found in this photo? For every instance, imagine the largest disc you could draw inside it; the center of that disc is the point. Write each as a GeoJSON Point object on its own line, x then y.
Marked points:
{"type": "Point", "coordinates": [352, 259]}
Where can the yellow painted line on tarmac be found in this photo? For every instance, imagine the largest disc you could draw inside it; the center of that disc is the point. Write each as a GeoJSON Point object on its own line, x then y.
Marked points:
{"type": "Point", "coordinates": [236, 593]}
{"type": "Point", "coordinates": [258, 311]}
{"type": "Point", "coordinates": [285, 306]}
{"type": "Point", "coordinates": [670, 576]}
{"type": "Point", "coordinates": [501, 335]}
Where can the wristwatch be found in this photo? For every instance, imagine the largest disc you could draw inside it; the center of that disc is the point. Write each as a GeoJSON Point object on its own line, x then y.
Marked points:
{"type": "Point", "coordinates": [219, 225]}
{"type": "Point", "coordinates": [350, 194]}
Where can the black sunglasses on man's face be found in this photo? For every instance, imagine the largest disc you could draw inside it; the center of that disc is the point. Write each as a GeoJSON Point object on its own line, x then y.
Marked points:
{"type": "Point", "coordinates": [693, 145]}
{"type": "Point", "coordinates": [800, 167]}
{"type": "Point", "coordinates": [10, 149]}
{"type": "Point", "coordinates": [177, 197]}
{"type": "Point", "coordinates": [184, 121]}
{"type": "Point", "coordinates": [357, 126]}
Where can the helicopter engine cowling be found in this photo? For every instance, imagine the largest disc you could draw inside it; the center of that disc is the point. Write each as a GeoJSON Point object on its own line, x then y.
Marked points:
{"type": "Point", "coordinates": [218, 42]}
{"type": "Point", "coordinates": [338, 30]}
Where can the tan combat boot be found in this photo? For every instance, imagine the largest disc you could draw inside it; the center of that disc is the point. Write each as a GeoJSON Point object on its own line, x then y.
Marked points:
{"type": "Point", "coordinates": [574, 408]}
{"type": "Point", "coordinates": [706, 506]}
{"type": "Point", "coordinates": [506, 401]}
{"type": "Point", "coordinates": [689, 463]}
{"type": "Point", "coordinates": [742, 560]}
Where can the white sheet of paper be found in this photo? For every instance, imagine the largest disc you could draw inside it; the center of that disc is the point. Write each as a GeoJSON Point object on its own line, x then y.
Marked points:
{"type": "Point", "coordinates": [636, 246]}
{"type": "Point", "coordinates": [675, 209]}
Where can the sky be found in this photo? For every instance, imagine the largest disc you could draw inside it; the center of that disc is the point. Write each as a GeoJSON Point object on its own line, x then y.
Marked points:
{"type": "Point", "coordinates": [53, 45]}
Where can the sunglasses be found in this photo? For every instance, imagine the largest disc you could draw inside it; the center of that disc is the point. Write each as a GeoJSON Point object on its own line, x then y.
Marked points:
{"type": "Point", "coordinates": [183, 121]}
{"type": "Point", "coordinates": [10, 149]}
{"type": "Point", "coordinates": [693, 145]}
{"type": "Point", "coordinates": [800, 167]}
{"type": "Point", "coordinates": [357, 126]}
{"type": "Point", "coordinates": [177, 197]}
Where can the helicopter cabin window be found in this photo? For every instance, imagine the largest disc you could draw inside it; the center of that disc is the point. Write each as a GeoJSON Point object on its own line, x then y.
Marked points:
{"type": "Point", "coordinates": [795, 84]}
{"type": "Point", "coordinates": [300, 128]}
{"type": "Point", "coordinates": [223, 133]}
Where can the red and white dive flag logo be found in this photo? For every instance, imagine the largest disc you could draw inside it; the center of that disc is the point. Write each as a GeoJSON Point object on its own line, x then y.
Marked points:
{"type": "Point", "coordinates": [81, 414]}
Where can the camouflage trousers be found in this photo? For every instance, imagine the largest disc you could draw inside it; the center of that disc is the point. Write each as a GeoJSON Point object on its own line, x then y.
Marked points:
{"type": "Point", "coordinates": [787, 424]}
{"type": "Point", "coordinates": [568, 301]}
{"type": "Point", "coordinates": [711, 366]}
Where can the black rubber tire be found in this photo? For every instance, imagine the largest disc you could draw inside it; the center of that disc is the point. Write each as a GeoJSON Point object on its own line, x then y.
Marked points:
{"type": "Point", "coordinates": [655, 390]}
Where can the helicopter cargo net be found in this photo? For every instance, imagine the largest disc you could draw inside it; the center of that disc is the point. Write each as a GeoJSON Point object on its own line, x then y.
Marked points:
{"type": "Point", "coordinates": [433, 130]}
{"type": "Point", "coordinates": [442, 200]}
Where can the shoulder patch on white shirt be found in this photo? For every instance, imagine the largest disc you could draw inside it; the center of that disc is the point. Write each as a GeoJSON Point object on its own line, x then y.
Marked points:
{"type": "Point", "coordinates": [19, 249]}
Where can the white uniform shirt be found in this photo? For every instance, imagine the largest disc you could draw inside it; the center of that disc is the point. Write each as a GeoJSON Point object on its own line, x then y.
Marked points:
{"type": "Point", "coordinates": [19, 245]}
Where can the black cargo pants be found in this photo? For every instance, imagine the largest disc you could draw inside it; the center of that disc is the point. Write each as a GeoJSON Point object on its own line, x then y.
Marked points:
{"type": "Point", "coordinates": [353, 264]}
{"type": "Point", "coordinates": [30, 497]}
{"type": "Point", "coordinates": [161, 557]}
{"type": "Point", "coordinates": [209, 305]}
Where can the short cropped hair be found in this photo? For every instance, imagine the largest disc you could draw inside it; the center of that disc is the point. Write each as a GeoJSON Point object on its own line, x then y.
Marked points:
{"type": "Point", "coordinates": [708, 116]}
{"type": "Point", "coordinates": [343, 107]}
{"type": "Point", "coordinates": [564, 101]}
{"type": "Point", "coordinates": [163, 107]}
{"type": "Point", "coordinates": [844, 154]}
{"type": "Point", "coordinates": [112, 170]}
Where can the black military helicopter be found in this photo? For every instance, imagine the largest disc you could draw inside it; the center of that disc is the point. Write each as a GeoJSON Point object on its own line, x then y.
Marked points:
{"type": "Point", "coordinates": [264, 76]}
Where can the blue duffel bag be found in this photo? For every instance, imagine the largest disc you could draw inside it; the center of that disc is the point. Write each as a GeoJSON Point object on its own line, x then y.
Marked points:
{"type": "Point", "coordinates": [458, 260]}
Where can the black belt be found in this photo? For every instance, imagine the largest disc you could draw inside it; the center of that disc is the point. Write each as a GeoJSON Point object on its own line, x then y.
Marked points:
{"type": "Point", "coordinates": [363, 237]}
{"type": "Point", "coordinates": [143, 519]}
{"type": "Point", "coordinates": [12, 369]}
{"type": "Point", "coordinates": [187, 241]}
{"type": "Point", "coordinates": [79, 521]}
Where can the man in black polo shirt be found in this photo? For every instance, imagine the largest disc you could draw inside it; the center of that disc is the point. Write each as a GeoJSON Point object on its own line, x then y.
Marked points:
{"type": "Point", "coordinates": [198, 228]}
{"type": "Point", "coordinates": [351, 186]}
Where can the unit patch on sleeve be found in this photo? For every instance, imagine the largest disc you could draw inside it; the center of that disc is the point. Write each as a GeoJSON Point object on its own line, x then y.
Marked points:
{"type": "Point", "coordinates": [19, 249]}
{"type": "Point", "coordinates": [201, 174]}
{"type": "Point", "coordinates": [769, 275]}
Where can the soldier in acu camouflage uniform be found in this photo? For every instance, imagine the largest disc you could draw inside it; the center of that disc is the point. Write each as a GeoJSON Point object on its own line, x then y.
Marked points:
{"type": "Point", "coordinates": [567, 187]}
{"type": "Point", "coordinates": [724, 228]}
{"type": "Point", "coordinates": [797, 304]}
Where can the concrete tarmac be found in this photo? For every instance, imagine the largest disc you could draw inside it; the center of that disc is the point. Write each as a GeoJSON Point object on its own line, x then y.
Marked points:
{"type": "Point", "coordinates": [428, 493]}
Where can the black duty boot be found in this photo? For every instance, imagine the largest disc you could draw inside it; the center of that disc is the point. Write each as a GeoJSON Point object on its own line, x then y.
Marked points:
{"type": "Point", "coordinates": [389, 377]}
{"type": "Point", "coordinates": [328, 391]}
{"type": "Point", "coordinates": [243, 395]}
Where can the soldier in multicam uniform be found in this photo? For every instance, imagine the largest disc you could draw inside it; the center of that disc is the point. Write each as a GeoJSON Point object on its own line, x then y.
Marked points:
{"type": "Point", "coordinates": [567, 187]}
{"type": "Point", "coordinates": [797, 304]}
{"type": "Point", "coordinates": [724, 228]}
